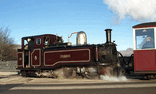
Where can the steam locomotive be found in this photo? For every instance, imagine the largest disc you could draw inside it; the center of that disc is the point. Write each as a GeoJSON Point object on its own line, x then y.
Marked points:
{"type": "Point", "coordinates": [47, 55]}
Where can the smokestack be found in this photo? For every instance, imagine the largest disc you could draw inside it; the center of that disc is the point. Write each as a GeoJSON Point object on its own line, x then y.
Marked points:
{"type": "Point", "coordinates": [108, 35]}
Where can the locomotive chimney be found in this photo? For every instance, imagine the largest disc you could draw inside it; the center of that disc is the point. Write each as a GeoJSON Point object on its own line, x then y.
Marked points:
{"type": "Point", "coordinates": [108, 35]}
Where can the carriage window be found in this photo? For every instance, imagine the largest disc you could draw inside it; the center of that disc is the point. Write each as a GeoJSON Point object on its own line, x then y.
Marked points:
{"type": "Point", "coordinates": [145, 39]}
{"type": "Point", "coordinates": [38, 41]}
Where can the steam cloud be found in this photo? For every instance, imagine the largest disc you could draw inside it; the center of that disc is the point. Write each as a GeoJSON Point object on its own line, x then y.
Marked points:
{"type": "Point", "coordinates": [111, 78]}
{"type": "Point", "coordinates": [138, 10]}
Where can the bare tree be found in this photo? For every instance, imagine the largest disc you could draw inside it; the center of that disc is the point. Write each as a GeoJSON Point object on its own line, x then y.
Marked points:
{"type": "Point", "coordinates": [7, 46]}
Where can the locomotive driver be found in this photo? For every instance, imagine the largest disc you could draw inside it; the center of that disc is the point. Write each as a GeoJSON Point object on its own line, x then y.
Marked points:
{"type": "Point", "coordinates": [31, 44]}
{"type": "Point", "coordinates": [149, 43]}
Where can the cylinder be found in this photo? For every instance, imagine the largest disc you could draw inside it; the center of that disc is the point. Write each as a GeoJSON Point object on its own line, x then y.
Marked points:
{"type": "Point", "coordinates": [81, 38]}
{"type": "Point", "coordinates": [108, 35]}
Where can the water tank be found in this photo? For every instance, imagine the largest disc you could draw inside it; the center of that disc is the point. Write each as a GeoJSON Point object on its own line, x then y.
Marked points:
{"type": "Point", "coordinates": [81, 38]}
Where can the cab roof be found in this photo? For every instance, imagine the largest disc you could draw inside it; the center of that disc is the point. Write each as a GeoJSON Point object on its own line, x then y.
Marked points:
{"type": "Point", "coordinates": [143, 25]}
{"type": "Point", "coordinates": [38, 36]}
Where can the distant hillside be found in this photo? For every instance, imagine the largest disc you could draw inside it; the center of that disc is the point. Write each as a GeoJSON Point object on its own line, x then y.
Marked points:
{"type": "Point", "coordinates": [127, 52]}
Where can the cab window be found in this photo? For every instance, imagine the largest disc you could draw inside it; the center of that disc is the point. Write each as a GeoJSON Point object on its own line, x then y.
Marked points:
{"type": "Point", "coordinates": [38, 41]}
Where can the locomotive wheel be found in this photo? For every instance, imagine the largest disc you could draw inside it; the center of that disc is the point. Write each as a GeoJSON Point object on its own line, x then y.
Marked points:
{"type": "Point", "coordinates": [146, 77]}
{"type": "Point", "coordinates": [116, 71]}
{"type": "Point", "coordinates": [65, 72]}
{"type": "Point", "coordinates": [68, 72]}
{"type": "Point", "coordinates": [23, 73]}
{"type": "Point", "coordinates": [113, 71]}
{"type": "Point", "coordinates": [91, 73]}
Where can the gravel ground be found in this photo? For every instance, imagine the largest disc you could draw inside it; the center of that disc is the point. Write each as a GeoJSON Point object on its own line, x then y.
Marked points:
{"type": "Point", "coordinates": [14, 78]}
{"type": "Point", "coordinates": [7, 73]}
{"type": "Point", "coordinates": [17, 79]}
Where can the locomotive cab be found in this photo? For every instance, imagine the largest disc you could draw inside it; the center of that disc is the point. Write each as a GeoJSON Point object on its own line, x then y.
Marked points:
{"type": "Point", "coordinates": [31, 42]}
{"type": "Point", "coordinates": [144, 47]}
{"type": "Point", "coordinates": [30, 53]}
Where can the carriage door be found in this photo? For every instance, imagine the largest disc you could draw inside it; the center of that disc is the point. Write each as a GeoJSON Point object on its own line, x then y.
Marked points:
{"type": "Point", "coordinates": [36, 58]}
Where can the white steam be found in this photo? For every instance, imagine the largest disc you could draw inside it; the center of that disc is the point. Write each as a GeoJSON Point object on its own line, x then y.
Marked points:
{"type": "Point", "coordinates": [113, 78]}
{"type": "Point", "coordinates": [139, 10]}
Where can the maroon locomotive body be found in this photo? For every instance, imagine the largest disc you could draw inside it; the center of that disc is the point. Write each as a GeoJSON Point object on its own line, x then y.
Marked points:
{"type": "Point", "coordinates": [47, 53]}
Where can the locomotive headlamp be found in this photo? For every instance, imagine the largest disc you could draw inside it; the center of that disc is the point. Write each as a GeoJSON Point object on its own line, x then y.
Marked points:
{"type": "Point", "coordinates": [81, 38]}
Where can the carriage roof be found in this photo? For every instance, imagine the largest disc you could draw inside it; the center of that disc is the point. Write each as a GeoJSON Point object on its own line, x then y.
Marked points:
{"type": "Point", "coordinates": [148, 24]}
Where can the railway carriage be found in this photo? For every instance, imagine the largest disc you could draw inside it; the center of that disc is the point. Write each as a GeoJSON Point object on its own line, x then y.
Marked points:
{"type": "Point", "coordinates": [145, 48]}
{"type": "Point", "coordinates": [143, 59]}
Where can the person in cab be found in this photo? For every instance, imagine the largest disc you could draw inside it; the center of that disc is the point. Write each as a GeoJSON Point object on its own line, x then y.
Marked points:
{"type": "Point", "coordinates": [149, 43]}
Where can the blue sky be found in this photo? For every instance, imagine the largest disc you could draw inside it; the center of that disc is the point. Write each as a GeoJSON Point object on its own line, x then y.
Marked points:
{"type": "Point", "coordinates": [35, 17]}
